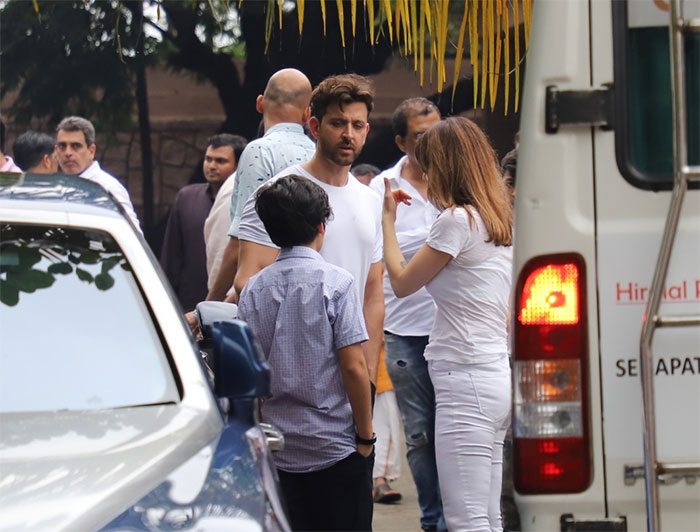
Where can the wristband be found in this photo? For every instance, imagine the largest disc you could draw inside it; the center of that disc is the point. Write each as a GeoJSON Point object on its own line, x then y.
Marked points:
{"type": "Point", "coordinates": [364, 441]}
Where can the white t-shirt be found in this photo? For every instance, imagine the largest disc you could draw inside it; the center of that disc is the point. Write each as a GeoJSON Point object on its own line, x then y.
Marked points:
{"type": "Point", "coordinates": [412, 315]}
{"type": "Point", "coordinates": [471, 292]}
{"type": "Point", "coordinates": [353, 238]}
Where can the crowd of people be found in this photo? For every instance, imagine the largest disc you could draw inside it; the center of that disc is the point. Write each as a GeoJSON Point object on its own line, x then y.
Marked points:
{"type": "Point", "coordinates": [372, 294]}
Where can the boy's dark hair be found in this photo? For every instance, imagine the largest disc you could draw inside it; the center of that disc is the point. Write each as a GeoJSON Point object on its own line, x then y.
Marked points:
{"type": "Point", "coordinates": [341, 89]}
{"type": "Point", "coordinates": [30, 147]}
{"type": "Point", "coordinates": [408, 109]}
{"type": "Point", "coordinates": [291, 209]}
{"type": "Point", "coordinates": [236, 142]}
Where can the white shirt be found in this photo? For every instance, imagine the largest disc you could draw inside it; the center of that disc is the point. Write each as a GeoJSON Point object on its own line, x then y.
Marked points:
{"type": "Point", "coordinates": [412, 315]}
{"type": "Point", "coordinates": [216, 228]}
{"type": "Point", "coordinates": [353, 238]}
{"type": "Point", "coordinates": [112, 185]}
{"type": "Point", "coordinates": [471, 292]}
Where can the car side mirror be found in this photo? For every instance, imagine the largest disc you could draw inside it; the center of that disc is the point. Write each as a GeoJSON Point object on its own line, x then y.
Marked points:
{"type": "Point", "coordinates": [210, 312]}
{"type": "Point", "coordinates": [239, 371]}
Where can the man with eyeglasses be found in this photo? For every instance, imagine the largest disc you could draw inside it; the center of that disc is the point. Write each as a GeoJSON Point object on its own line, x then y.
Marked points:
{"type": "Point", "coordinates": [75, 150]}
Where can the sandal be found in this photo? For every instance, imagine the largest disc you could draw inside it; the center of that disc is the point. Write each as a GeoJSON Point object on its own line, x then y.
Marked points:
{"type": "Point", "coordinates": [384, 494]}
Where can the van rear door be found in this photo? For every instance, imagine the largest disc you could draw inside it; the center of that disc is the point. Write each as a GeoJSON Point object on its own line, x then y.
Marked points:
{"type": "Point", "coordinates": [633, 170]}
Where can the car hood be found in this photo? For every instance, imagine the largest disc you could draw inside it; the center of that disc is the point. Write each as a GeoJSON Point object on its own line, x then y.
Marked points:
{"type": "Point", "coordinates": [77, 470]}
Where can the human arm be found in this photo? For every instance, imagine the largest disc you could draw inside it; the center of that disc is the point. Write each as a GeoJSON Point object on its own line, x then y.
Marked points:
{"type": "Point", "coordinates": [373, 310]}
{"type": "Point", "coordinates": [354, 371]}
{"type": "Point", "coordinates": [252, 257]}
{"type": "Point", "coordinates": [407, 278]}
{"type": "Point", "coordinates": [227, 271]}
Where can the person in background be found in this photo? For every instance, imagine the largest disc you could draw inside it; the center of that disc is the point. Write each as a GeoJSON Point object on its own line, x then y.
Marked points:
{"type": "Point", "coordinates": [408, 320]}
{"type": "Point", "coordinates": [307, 316]}
{"type": "Point", "coordinates": [465, 264]}
{"type": "Point", "coordinates": [509, 165]}
{"type": "Point", "coordinates": [6, 162]}
{"type": "Point", "coordinates": [364, 173]}
{"type": "Point", "coordinates": [183, 256]}
{"type": "Point", "coordinates": [34, 151]}
{"type": "Point", "coordinates": [75, 150]}
{"type": "Point", "coordinates": [218, 221]}
{"type": "Point", "coordinates": [285, 109]}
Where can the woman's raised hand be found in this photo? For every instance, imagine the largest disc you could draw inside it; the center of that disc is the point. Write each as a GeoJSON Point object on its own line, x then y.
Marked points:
{"type": "Point", "coordinates": [392, 198]}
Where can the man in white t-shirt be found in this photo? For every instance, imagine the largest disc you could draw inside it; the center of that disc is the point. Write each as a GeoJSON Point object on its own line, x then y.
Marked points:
{"type": "Point", "coordinates": [340, 106]}
{"type": "Point", "coordinates": [408, 320]}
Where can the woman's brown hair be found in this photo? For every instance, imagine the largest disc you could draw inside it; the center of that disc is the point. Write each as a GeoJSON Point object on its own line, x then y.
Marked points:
{"type": "Point", "coordinates": [463, 170]}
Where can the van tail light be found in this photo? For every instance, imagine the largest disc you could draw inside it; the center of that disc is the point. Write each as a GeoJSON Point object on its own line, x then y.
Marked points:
{"type": "Point", "coordinates": [550, 372]}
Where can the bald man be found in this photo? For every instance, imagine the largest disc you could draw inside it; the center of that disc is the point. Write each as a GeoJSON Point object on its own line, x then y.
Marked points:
{"type": "Point", "coordinates": [285, 109]}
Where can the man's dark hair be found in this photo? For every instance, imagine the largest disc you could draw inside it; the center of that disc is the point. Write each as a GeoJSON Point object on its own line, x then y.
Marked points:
{"type": "Point", "coordinates": [236, 142]}
{"type": "Point", "coordinates": [509, 164]}
{"type": "Point", "coordinates": [365, 169]}
{"type": "Point", "coordinates": [291, 209]}
{"type": "Point", "coordinates": [30, 147]}
{"type": "Point", "coordinates": [342, 89]}
{"type": "Point", "coordinates": [408, 109]}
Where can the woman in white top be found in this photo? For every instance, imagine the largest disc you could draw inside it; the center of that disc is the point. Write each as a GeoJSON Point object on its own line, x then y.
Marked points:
{"type": "Point", "coordinates": [466, 266]}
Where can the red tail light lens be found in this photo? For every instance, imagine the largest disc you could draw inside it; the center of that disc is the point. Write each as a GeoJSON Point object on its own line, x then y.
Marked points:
{"type": "Point", "coordinates": [551, 435]}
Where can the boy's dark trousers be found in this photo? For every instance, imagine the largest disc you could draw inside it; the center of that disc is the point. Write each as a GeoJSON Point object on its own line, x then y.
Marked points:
{"type": "Point", "coordinates": [336, 498]}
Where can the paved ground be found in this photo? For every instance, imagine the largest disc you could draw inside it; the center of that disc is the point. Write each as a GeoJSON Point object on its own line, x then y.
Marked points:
{"type": "Point", "coordinates": [404, 516]}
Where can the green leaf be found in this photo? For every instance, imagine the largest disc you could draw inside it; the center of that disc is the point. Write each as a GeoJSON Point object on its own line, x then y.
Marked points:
{"type": "Point", "coordinates": [108, 264]}
{"type": "Point", "coordinates": [28, 256]}
{"type": "Point", "coordinates": [89, 257]}
{"type": "Point", "coordinates": [9, 295]}
{"type": "Point", "coordinates": [83, 275]}
{"type": "Point", "coordinates": [63, 268]}
{"type": "Point", "coordinates": [29, 280]}
{"type": "Point", "coordinates": [74, 259]}
{"type": "Point", "coordinates": [125, 266]}
{"type": "Point", "coordinates": [104, 281]}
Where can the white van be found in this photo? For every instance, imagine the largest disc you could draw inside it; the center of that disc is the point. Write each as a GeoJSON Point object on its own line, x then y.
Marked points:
{"type": "Point", "coordinates": [594, 188]}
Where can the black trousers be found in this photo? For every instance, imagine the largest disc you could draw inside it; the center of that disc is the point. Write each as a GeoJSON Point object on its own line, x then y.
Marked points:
{"type": "Point", "coordinates": [336, 498]}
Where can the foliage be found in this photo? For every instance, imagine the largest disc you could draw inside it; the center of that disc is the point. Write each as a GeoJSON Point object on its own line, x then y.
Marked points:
{"type": "Point", "coordinates": [417, 25]}
{"type": "Point", "coordinates": [63, 59]}
{"type": "Point", "coordinates": [61, 251]}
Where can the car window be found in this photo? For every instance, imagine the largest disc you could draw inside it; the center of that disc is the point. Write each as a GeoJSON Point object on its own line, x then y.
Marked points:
{"type": "Point", "coordinates": [644, 136]}
{"type": "Point", "coordinates": [75, 331]}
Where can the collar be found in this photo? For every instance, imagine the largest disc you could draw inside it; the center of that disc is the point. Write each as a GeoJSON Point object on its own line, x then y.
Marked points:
{"type": "Point", "coordinates": [394, 173]}
{"type": "Point", "coordinates": [91, 170]}
{"type": "Point", "coordinates": [299, 252]}
{"type": "Point", "coordinates": [285, 127]}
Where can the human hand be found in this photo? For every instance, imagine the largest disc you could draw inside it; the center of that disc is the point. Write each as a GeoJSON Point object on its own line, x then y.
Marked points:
{"type": "Point", "coordinates": [364, 450]}
{"type": "Point", "coordinates": [194, 326]}
{"type": "Point", "coordinates": [391, 199]}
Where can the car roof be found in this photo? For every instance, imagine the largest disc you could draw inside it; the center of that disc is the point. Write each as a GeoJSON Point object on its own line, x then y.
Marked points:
{"type": "Point", "coordinates": [55, 188]}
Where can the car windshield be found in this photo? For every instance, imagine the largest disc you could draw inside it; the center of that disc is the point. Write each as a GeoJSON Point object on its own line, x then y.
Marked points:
{"type": "Point", "coordinates": [75, 331]}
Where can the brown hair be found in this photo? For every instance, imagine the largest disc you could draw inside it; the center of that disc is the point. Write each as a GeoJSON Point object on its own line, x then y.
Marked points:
{"type": "Point", "coordinates": [342, 89]}
{"type": "Point", "coordinates": [462, 171]}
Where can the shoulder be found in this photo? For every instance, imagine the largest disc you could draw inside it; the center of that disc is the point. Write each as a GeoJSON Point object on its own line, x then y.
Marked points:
{"type": "Point", "coordinates": [363, 190]}
{"type": "Point", "coordinates": [193, 190]}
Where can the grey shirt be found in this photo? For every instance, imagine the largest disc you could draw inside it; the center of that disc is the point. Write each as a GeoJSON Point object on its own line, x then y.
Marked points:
{"type": "Point", "coordinates": [303, 310]}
